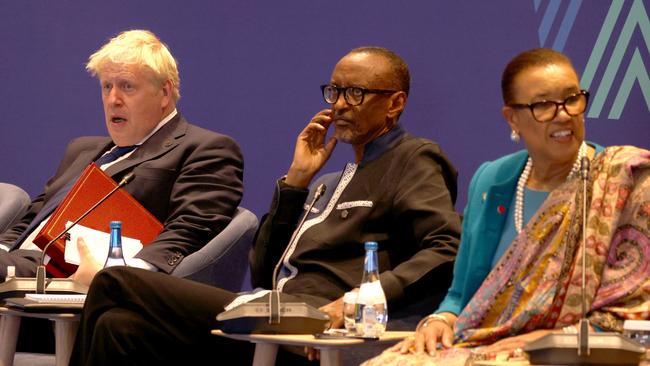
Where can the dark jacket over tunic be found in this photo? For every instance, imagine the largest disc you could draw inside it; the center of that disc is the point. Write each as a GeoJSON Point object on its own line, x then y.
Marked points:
{"type": "Point", "coordinates": [401, 195]}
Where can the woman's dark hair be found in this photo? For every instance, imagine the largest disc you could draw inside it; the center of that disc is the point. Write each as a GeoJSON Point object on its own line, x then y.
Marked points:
{"type": "Point", "coordinates": [525, 60]}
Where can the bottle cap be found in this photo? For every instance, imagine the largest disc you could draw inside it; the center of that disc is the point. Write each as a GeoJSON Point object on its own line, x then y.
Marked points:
{"type": "Point", "coordinates": [350, 297]}
{"type": "Point", "coordinates": [371, 245]}
{"type": "Point", "coordinates": [116, 224]}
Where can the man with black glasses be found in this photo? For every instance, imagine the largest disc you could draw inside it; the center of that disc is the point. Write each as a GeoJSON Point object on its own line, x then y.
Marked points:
{"type": "Point", "coordinates": [398, 192]}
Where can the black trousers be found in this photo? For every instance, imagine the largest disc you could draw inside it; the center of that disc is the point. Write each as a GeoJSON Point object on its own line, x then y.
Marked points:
{"type": "Point", "coordinates": [24, 260]}
{"type": "Point", "coordinates": [137, 317]}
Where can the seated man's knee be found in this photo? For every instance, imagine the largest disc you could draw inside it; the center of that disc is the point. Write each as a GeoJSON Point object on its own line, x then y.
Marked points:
{"type": "Point", "coordinates": [115, 322]}
{"type": "Point", "coordinates": [111, 275]}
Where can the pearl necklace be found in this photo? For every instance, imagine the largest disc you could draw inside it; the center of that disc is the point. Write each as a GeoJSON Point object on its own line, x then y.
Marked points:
{"type": "Point", "coordinates": [523, 179]}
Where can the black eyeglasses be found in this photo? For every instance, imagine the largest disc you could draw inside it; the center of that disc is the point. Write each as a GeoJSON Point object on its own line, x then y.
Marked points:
{"type": "Point", "coordinates": [353, 94]}
{"type": "Point", "coordinates": [546, 110]}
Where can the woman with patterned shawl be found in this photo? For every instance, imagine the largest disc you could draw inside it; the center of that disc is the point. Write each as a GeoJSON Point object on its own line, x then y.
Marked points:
{"type": "Point", "coordinates": [518, 272]}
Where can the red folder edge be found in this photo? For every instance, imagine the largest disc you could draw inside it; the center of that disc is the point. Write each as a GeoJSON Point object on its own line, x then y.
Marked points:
{"type": "Point", "coordinates": [92, 185]}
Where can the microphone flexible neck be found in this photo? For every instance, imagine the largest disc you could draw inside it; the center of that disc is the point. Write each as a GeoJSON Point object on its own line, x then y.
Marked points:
{"type": "Point", "coordinates": [584, 172]}
{"type": "Point", "coordinates": [583, 331]}
{"type": "Point", "coordinates": [317, 195]}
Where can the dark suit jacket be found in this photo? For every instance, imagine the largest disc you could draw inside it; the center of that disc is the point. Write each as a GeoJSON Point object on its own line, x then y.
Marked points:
{"type": "Point", "coordinates": [189, 178]}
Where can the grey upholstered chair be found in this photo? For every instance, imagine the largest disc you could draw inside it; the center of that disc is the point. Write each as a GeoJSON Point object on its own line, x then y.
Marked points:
{"type": "Point", "coordinates": [223, 262]}
{"type": "Point", "coordinates": [13, 204]}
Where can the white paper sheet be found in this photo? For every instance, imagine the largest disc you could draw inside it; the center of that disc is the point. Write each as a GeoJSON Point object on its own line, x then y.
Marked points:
{"type": "Point", "coordinates": [97, 242]}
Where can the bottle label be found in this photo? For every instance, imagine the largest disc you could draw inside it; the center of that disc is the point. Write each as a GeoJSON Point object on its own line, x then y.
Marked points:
{"type": "Point", "coordinates": [371, 293]}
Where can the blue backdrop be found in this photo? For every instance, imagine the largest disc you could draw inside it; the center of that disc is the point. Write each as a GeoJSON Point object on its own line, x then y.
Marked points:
{"type": "Point", "coordinates": [251, 69]}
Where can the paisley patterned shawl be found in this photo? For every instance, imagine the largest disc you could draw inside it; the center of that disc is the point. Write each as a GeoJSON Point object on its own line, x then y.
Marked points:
{"type": "Point", "coordinates": [537, 282]}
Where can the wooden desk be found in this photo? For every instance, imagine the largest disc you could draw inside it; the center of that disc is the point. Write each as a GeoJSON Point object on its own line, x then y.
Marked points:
{"type": "Point", "coordinates": [266, 345]}
{"type": "Point", "coordinates": [65, 330]}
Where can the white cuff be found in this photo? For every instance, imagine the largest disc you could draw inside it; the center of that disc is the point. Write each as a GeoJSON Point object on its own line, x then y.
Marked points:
{"type": "Point", "coordinates": [139, 263]}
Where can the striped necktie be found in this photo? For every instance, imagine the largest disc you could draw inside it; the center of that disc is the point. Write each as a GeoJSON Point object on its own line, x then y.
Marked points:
{"type": "Point", "coordinates": [114, 154]}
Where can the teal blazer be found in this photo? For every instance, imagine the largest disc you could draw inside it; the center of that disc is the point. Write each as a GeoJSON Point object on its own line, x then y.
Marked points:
{"type": "Point", "coordinates": [490, 193]}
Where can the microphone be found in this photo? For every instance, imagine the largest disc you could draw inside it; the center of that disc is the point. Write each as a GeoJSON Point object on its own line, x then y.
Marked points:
{"type": "Point", "coordinates": [19, 285]}
{"type": "Point", "coordinates": [274, 296]}
{"type": "Point", "coordinates": [317, 194]}
{"type": "Point", "coordinates": [583, 331]}
{"type": "Point", "coordinates": [287, 318]}
{"type": "Point", "coordinates": [40, 270]}
{"type": "Point", "coordinates": [602, 348]}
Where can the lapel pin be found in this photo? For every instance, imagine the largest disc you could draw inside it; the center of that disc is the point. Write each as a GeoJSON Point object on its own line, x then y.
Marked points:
{"type": "Point", "coordinates": [501, 209]}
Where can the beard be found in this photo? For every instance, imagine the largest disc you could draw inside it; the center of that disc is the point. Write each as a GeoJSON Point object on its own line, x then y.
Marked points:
{"type": "Point", "coordinates": [346, 134]}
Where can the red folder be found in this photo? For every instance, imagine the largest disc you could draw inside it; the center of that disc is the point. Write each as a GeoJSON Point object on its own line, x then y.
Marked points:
{"type": "Point", "coordinates": [91, 187]}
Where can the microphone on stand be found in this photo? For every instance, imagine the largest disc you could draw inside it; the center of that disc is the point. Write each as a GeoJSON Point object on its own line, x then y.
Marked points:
{"type": "Point", "coordinates": [18, 286]}
{"type": "Point", "coordinates": [583, 331]}
{"type": "Point", "coordinates": [274, 296]}
{"type": "Point", "coordinates": [601, 348]}
{"type": "Point", "coordinates": [281, 318]}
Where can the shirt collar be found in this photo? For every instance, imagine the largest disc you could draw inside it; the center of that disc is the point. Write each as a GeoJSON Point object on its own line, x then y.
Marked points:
{"type": "Point", "coordinates": [159, 126]}
{"type": "Point", "coordinates": [383, 143]}
{"type": "Point", "coordinates": [162, 123]}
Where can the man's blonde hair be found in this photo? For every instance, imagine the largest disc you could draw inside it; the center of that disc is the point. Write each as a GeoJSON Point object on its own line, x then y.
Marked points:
{"type": "Point", "coordinates": [142, 48]}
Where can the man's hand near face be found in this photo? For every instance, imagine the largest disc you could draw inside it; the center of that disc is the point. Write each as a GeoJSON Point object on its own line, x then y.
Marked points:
{"type": "Point", "coordinates": [311, 152]}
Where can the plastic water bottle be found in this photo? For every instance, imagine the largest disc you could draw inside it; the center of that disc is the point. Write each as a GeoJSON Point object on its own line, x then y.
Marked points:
{"type": "Point", "coordinates": [372, 312]}
{"type": "Point", "coordinates": [115, 255]}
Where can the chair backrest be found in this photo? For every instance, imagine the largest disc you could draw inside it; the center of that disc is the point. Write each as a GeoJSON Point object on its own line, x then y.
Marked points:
{"type": "Point", "coordinates": [13, 204]}
{"type": "Point", "coordinates": [223, 262]}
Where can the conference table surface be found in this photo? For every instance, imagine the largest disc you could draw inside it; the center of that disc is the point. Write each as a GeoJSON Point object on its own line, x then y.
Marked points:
{"type": "Point", "coordinates": [266, 345]}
